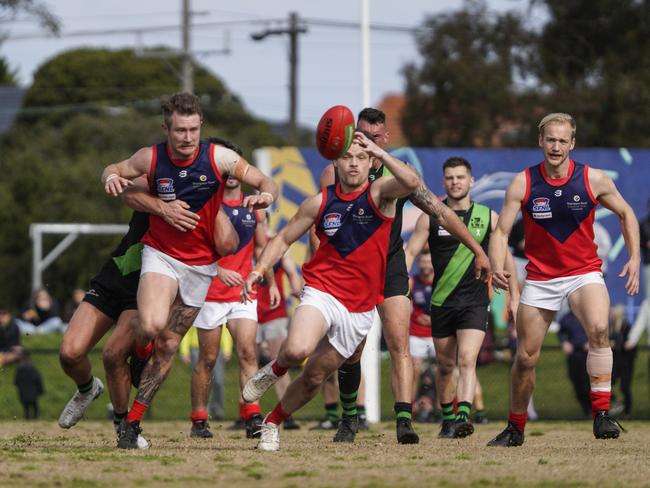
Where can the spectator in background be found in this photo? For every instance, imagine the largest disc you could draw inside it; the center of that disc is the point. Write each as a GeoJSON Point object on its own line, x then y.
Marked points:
{"type": "Point", "coordinates": [76, 297]}
{"type": "Point", "coordinates": [41, 316]}
{"type": "Point", "coordinates": [10, 349]}
{"type": "Point", "coordinates": [575, 345]}
{"type": "Point", "coordinates": [420, 339]}
{"type": "Point", "coordinates": [644, 227]}
{"type": "Point", "coordinates": [516, 242]}
{"type": "Point", "coordinates": [619, 330]}
{"type": "Point", "coordinates": [30, 386]}
{"type": "Point", "coordinates": [189, 353]}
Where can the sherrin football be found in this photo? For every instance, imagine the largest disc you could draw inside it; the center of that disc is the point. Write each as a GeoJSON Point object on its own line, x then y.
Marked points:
{"type": "Point", "coordinates": [335, 132]}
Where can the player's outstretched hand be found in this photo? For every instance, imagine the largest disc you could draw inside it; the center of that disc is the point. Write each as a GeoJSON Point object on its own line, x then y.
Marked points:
{"type": "Point", "coordinates": [631, 269]}
{"type": "Point", "coordinates": [248, 292]}
{"type": "Point", "coordinates": [177, 213]}
{"type": "Point", "coordinates": [500, 279]}
{"type": "Point", "coordinates": [115, 184]}
{"type": "Point", "coordinates": [262, 200]}
{"type": "Point", "coordinates": [368, 144]}
{"type": "Point", "coordinates": [482, 267]}
{"type": "Point", "coordinates": [230, 278]}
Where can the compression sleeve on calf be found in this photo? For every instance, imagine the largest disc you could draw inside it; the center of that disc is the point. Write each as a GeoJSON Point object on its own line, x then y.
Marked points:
{"type": "Point", "coordinates": [599, 366]}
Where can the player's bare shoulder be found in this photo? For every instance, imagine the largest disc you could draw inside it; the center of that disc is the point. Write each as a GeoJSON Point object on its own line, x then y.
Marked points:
{"type": "Point", "coordinates": [516, 190]}
{"type": "Point", "coordinates": [600, 182]}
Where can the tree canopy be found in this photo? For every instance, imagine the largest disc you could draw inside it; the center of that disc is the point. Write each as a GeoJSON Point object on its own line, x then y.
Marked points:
{"type": "Point", "coordinates": [87, 108]}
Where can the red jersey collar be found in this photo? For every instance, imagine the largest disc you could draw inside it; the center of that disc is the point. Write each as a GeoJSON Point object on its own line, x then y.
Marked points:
{"type": "Point", "coordinates": [557, 181]}
{"type": "Point", "coordinates": [235, 203]}
{"type": "Point", "coordinates": [183, 163]}
{"type": "Point", "coordinates": [349, 196]}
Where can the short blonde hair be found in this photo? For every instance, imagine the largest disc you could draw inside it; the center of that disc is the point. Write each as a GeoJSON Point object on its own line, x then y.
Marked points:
{"type": "Point", "coordinates": [557, 117]}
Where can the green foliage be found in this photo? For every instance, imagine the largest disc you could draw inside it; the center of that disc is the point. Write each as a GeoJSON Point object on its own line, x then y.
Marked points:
{"type": "Point", "coordinates": [86, 109]}
{"type": "Point", "coordinates": [486, 79]}
{"type": "Point", "coordinates": [468, 83]}
{"type": "Point", "coordinates": [8, 76]}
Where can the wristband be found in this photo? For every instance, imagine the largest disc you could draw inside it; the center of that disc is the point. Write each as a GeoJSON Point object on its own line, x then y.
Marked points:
{"type": "Point", "coordinates": [110, 177]}
{"type": "Point", "coordinates": [259, 270]}
{"type": "Point", "coordinates": [268, 194]}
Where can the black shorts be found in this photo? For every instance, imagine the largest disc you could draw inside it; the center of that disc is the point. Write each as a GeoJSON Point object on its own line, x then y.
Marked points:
{"type": "Point", "coordinates": [111, 292]}
{"type": "Point", "coordinates": [445, 321]}
{"type": "Point", "coordinates": [397, 278]}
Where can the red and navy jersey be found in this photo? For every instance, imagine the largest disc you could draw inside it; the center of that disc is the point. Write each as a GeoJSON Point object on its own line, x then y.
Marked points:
{"type": "Point", "coordinates": [197, 182]}
{"type": "Point", "coordinates": [559, 224]}
{"type": "Point", "coordinates": [421, 295]}
{"type": "Point", "coordinates": [244, 221]}
{"type": "Point", "coordinates": [350, 262]}
{"type": "Point", "coordinates": [264, 312]}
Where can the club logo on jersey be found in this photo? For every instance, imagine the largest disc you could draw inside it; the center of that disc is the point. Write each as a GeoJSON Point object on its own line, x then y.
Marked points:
{"type": "Point", "coordinates": [165, 188]}
{"type": "Point", "coordinates": [331, 223]}
{"type": "Point", "coordinates": [577, 204]}
{"type": "Point", "coordinates": [541, 208]}
{"type": "Point", "coordinates": [203, 178]}
{"type": "Point", "coordinates": [235, 212]}
{"type": "Point", "coordinates": [360, 212]}
{"type": "Point", "coordinates": [475, 225]}
{"type": "Point", "coordinates": [182, 173]}
{"type": "Point", "coordinates": [558, 193]}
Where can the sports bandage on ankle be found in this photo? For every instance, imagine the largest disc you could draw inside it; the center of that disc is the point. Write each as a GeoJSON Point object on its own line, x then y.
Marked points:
{"type": "Point", "coordinates": [599, 366]}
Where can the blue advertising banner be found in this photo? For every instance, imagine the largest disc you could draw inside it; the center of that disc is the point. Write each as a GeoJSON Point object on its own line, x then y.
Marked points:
{"type": "Point", "coordinates": [297, 172]}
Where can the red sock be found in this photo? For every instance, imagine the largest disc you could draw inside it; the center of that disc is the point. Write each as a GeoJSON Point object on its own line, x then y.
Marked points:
{"type": "Point", "coordinates": [518, 420]}
{"type": "Point", "coordinates": [600, 401]}
{"type": "Point", "coordinates": [137, 411]}
{"type": "Point", "coordinates": [277, 369]}
{"type": "Point", "coordinates": [143, 352]}
{"type": "Point", "coordinates": [199, 416]}
{"type": "Point", "coordinates": [277, 415]}
{"type": "Point", "coordinates": [247, 410]}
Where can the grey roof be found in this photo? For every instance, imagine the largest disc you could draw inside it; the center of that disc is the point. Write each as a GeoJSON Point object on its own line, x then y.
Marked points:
{"type": "Point", "coordinates": [11, 98]}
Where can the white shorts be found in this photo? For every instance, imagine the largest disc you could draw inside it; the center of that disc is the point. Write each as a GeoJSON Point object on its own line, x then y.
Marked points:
{"type": "Point", "coordinates": [422, 347]}
{"type": "Point", "coordinates": [193, 281]}
{"type": "Point", "coordinates": [215, 314]}
{"type": "Point", "coordinates": [345, 329]}
{"type": "Point", "coordinates": [550, 294]}
{"type": "Point", "coordinates": [273, 329]}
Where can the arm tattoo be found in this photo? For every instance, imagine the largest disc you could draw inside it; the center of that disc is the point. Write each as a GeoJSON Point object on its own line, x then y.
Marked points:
{"type": "Point", "coordinates": [181, 319]}
{"type": "Point", "coordinates": [426, 201]}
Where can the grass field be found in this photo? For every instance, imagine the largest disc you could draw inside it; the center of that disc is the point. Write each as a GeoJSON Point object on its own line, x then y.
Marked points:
{"type": "Point", "coordinates": [554, 397]}
{"type": "Point", "coordinates": [561, 454]}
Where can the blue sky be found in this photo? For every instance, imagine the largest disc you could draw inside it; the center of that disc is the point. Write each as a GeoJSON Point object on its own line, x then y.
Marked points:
{"type": "Point", "coordinates": [329, 57]}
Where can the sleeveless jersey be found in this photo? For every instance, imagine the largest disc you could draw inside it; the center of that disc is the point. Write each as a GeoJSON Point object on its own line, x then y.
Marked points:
{"type": "Point", "coordinates": [421, 293]}
{"type": "Point", "coordinates": [127, 256]}
{"type": "Point", "coordinates": [350, 262]}
{"type": "Point", "coordinates": [198, 183]}
{"type": "Point", "coordinates": [244, 221]}
{"type": "Point", "coordinates": [396, 242]}
{"type": "Point", "coordinates": [559, 224]}
{"type": "Point", "coordinates": [454, 284]}
{"type": "Point", "coordinates": [264, 312]}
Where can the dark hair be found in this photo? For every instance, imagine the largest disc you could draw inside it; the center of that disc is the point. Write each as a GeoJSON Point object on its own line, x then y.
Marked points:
{"type": "Point", "coordinates": [366, 133]}
{"type": "Point", "coordinates": [181, 103]}
{"type": "Point", "coordinates": [372, 115]}
{"type": "Point", "coordinates": [455, 161]}
{"type": "Point", "coordinates": [226, 143]}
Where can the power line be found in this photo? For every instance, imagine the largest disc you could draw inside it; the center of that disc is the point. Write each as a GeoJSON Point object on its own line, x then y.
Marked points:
{"type": "Point", "coordinates": [338, 24]}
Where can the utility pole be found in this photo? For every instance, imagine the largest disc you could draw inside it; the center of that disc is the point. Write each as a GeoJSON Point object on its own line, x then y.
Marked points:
{"type": "Point", "coordinates": [293, 30]}
{"type": "Point", "coordinates": [187, 70]}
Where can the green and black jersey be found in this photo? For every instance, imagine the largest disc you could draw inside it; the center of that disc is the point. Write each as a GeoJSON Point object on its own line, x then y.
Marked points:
{"type": "Point", "coordinates": [454, 284]}
{"type": "Point", "coordinates": [127, 256]}
{"type": "Point", "coordinates": [396, 243]}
